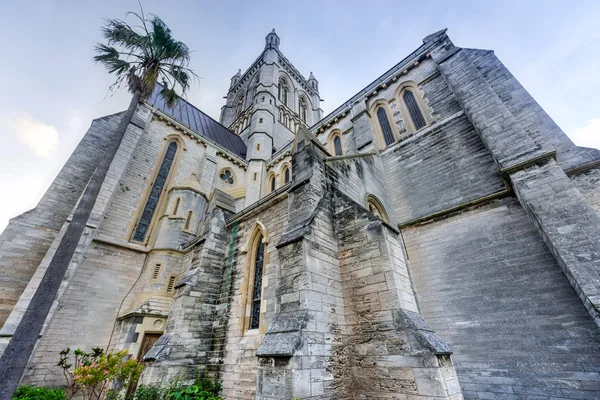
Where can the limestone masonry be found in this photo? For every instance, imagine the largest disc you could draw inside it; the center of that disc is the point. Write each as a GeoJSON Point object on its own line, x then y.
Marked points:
{"type": "Point", "coordinates": [437, 236]}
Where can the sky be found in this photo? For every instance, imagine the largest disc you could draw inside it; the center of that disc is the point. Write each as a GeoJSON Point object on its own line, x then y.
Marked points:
{"type": "Point", "coordinates": [51, 90]}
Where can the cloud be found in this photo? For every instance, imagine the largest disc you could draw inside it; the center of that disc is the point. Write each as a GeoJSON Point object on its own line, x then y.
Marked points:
{"type": "Point", "coordinates": [588, 135]}
{"type": "Point", "coordinates": [40, 138]}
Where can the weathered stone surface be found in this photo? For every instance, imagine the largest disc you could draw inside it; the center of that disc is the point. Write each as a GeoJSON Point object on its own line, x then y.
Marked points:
{"type": "Point", "coordinates": [348, 306]}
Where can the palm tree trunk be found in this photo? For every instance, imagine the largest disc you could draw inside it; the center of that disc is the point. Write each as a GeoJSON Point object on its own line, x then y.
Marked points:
{"type": "Point", "coordinates": [17, 353]}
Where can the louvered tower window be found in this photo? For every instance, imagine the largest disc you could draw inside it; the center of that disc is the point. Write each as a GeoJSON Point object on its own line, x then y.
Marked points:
{"type": "Point", "coordinates": [171, 284]}
{"type": "Point", "coordinates": [337, 145]}
{"type": "Point", "coordinates": [141, 230]}
{"type": "Point", "coordinates": [257, 289]}
{"type": "Point", "coordinates": [413, 109]}
{"type": "Point", "coordinates": [188, 221]}
{"type": "Point", "coordinates": [176, 208]}
{"type": "Point", "coordinates": [386, 129]}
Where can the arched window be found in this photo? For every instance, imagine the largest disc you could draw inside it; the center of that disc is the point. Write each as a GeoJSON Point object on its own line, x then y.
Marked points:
{"type": "Point", "coordinates": [239, 107]}
{"type": "Point", "coordinates": [259, 259]}
{"type": "Point", "coordinates": [176, 207]}
{"type": "Point", "coordinates": [188, 221]}
{"type": "Point", "coordinates": [286, 175]}
{"type": "Point", "coordinates": [158, 186]}
{"type": "Point", "coordinates": [386, 129]}
{"type": "Point", "coordinates": [414, 110]}
{"type": "Point", "coordinates": [272, 184]}
{"type": "Point", "coordinates": [282, 91]}
{"type": "Point", "coordinates": [337, 145]}
{"type": "Point", "coordinates": [303, 108]}
{"type": "Point", "coordinates": [375, 206]}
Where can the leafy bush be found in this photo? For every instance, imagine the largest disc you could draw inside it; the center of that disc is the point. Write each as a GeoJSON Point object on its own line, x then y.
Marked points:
{"type": "Point", "coordinates": [202, 389]}
{"type": "Point", "coordinates": [97, 375]}
{"type": "Point", "coordinates": [150, 392]}
{"type": "Point", "coordinates": [30, 392]}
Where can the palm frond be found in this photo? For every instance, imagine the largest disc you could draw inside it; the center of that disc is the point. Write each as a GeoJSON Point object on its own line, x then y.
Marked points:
{"type": "Point", "coordinates": [110, 58]}
{"type": "Point", "coordinates": [143, 55]}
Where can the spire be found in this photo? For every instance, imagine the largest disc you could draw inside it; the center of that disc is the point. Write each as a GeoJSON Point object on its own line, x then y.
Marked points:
{"type": "Point", "coordinates": [236, 78]}
{"type": "Point", "coordinates": [272, 40]}
{"type": "Point", "coordinates": [313, 82]}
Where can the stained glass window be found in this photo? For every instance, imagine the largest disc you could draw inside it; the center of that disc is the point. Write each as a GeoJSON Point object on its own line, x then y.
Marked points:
{"type": "Point", "coordinates": [386, 129]}
{"type": "Point", "coordinates": [141, 229]}
{"type": "Point", "coordinates": [337, 145]}
{"type": "Point", "coordinates": [414, 110]}
{"type": "Point", "coordinates": [227, 176]}
{"type": "Point", "coordinates": [257, 290]}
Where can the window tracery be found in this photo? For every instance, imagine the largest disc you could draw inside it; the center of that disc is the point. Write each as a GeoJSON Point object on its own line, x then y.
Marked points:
{"type": "Point", "coordinates": [226, 176]}
{"type": "Point", "coordinates": [158, 187]}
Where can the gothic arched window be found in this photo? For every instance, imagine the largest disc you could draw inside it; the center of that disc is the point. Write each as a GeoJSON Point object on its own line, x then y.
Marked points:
{"type": "Point", "coordinates": [414, 110]}
{"type": "Point", "coordinates": [272, 184]}
{"type": "Point", "coordinates": [282, 91]}
{"type": "Point", "coordinates": [303, 108]}
{"type": "Point", "coordinates": [259, 259]}
{"type": "Point", "coordinates": [239, 107]}
{"type": "Point", "coordinates": [386, 129]}
{"type": "Point", "coordinates": [158, 186]}
{"type": "Point", "coordinates": [375, 206]}
{"type": "Point", "coordinates": [337, 145]}
{"type": "Point", "coordinates": [286, 175]}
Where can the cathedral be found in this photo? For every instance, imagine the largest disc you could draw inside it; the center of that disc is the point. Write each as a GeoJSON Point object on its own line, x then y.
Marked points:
{"type": "Point", "coordinates": [436, 236]}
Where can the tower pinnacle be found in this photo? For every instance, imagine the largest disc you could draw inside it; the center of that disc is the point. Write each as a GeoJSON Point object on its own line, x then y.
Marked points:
{"type": "Point", "coordinates": [272, 40]}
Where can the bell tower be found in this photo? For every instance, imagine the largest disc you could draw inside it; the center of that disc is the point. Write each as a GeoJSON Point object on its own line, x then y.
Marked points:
{"type": "Point", "coordinates": [266, 105]}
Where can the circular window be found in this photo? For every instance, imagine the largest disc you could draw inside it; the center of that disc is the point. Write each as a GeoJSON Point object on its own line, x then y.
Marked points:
{"type": "Point", "coordinates": [227, 176]}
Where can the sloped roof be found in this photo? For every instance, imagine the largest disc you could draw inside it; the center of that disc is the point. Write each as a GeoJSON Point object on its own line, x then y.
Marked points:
{"type": "Point", "coordinates": [191, 117]}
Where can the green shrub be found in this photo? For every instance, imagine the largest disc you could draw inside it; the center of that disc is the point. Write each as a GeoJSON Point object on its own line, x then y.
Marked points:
{"type": "Point", "coordinates": [30, 392]}
{"type": "Point", "coordinates": [193, 392]}
{"type": "Point", "coordinates": [150, 392]}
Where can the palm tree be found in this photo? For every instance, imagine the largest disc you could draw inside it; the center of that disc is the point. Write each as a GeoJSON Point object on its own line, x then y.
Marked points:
{"type": "Point", "coordinates": [140, 57]}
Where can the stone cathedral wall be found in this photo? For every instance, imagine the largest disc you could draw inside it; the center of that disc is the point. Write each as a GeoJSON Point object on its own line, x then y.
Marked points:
{"type": "Point", "coordinates": [488, 285]}
{"type": "Point", "coordinates": [86, 313]}
{"type": "Point", "coordinates": [27, 238]}
{"type": "Point", "coordinates": [239, 367]}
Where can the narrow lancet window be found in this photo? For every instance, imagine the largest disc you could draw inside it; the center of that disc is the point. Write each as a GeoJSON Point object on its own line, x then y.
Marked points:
{"type": "Point", "coordinates": [413, 109]}
{"type": "Point", "coordinates": [257, 287]}
{"type": "Point", "coordinates": [141, 230]}
{"type": "Point", "coordinates": [386, 129]}
{"type": "Point", "coordinates": [303, 109]}
{"type": "Point", "coordinates": [272, 184]}
{"type": "Point", "coordinates": [286, 175]}
{"type": "Point", "coordinates": [337, 145]}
